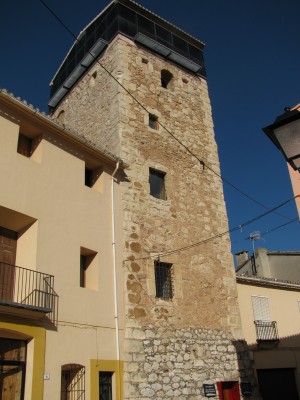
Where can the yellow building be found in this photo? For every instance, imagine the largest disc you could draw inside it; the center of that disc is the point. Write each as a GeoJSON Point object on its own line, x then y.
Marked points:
{"type": "Point", "coordinates": [269, 300]}
{"type": "Point", "coordinates": [60, 321]}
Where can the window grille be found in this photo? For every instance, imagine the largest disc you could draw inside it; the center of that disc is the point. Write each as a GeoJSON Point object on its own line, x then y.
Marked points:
{"type": "Point", "coordinates": [105, 385]}
{"type": "Point", "coordinates": [163, 280]}
{"type": "Point", "coordinates": [73, 382]}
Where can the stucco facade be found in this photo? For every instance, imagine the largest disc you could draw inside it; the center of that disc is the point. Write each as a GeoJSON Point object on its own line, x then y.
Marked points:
{"type": "Point", "coordinates": [275, 346]}
{"type": "Point", "coordinates": [69, 327]}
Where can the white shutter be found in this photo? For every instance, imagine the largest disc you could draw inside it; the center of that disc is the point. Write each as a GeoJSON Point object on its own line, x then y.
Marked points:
{"type": "Point", "coordinates": [260, 307]}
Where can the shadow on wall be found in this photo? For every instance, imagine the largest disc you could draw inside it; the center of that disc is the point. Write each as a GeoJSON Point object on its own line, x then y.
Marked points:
{"type": "Point", "coordinates": [273, 365]}
{"type": "Point", "coordinates": [248, 384]}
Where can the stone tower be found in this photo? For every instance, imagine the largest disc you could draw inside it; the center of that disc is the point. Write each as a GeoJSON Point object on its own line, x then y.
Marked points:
{"type": "Point", "coordinates": [135, 85]}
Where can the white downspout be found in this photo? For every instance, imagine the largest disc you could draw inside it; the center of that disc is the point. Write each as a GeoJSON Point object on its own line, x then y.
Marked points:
{"type": "Point", "coordinates": [115, 264]}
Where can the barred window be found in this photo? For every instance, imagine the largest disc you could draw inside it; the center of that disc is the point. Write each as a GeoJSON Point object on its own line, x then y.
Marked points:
{"type": "Point", "coordinates": [72, 382]}
{"type": "Point", "coordinates": [163, 280]}
{"type": "Point", "coordinates": [105, 385]}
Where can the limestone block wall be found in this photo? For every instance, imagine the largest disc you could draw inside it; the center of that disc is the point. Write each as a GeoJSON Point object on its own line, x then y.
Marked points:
{"type": "Point", "coordinates": [171, 347]}
{"type": "Point", "coordinates": [176, 362]}
{"type": "Point", "coordinates": [92, 107]}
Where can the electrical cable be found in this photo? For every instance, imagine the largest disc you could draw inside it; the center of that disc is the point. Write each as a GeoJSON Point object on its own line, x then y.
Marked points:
{"type": "Point", "coordinates": [280, 226]}
{"type": "Point", "coordinates": [238, 227]}
{"type": "Point", "coordinates": [82, 325]}
{"type": "Point", "coordinates": [158, 122]}
{"type": "Point", "coordinates": [274, 229]}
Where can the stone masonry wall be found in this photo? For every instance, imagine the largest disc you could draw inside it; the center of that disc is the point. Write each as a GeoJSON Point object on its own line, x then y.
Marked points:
{"type": "Point", "coordinates": [171, 347]}
{"type": "Point", "coordinates": [176, 363]}
{"type": "Point", "coordinates": [194, 210]}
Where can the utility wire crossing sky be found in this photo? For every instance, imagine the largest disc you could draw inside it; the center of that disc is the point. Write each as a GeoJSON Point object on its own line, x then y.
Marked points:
{"type": "Point", "coordinates": [249, 79]}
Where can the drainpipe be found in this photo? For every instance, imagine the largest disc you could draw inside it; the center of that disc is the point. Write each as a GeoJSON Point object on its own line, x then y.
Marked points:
{"type": "Point", "coordinates": [115, 274]}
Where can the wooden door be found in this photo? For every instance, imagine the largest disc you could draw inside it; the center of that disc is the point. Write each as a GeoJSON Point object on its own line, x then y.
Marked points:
{"type": "Point", "coordinates": [11, 382]}
{"type": "Point", "coordinates": [12, 369]}
{"type": "Point", "coordinates": [8, 247]}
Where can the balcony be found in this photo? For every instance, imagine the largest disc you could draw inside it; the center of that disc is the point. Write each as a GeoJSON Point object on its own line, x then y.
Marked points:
{"type": "Point", "coordinates": [266, 331]}
{"type": "Point", "coordinates": [28, 292]}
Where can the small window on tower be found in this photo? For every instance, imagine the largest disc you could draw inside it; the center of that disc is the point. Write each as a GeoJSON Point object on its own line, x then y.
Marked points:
{"type": "Point", "coordinates": [61, 116]}
{"type": "Point", "coordinates": [157, 184]}
{"type": "Point", "coordinates": [153, 122]}
{"type": "Point", "coordinates": [163, 280]}
{"type": "Point", "coordinates": [166, 78]}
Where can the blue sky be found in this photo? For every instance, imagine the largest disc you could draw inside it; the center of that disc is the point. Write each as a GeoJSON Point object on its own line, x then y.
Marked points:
{"type": "Point", "coordinates": [252, 60]}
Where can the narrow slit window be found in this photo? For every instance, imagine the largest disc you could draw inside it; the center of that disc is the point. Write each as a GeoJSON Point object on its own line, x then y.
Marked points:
{"type": "Point", "coordinates": [163, 280]}
{"type": "Point", "coordinates": [153, 122]}
{"type": "Point", "coordinates": [157, 184]}
{"type": "Point", "coordinates": [166, 78]}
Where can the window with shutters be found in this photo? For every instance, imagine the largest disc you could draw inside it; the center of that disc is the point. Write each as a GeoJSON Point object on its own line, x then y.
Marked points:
{"type": "Point", "coordinates": [261, 309]}
{"type": "Point", "coordinates": [8, 247]}
{"type": "Point", "coordinates": [266, 329]}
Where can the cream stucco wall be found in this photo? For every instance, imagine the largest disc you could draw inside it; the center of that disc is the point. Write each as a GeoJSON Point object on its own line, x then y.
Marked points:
{"type": "Point", "coordinates": [280, 300]}
{"type": "Point", "coordinates": [45, 199]}
{"type": "Point", "coordinates": [284, 309]}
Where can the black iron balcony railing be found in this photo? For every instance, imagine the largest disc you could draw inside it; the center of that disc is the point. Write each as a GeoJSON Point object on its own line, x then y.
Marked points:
{"type": "Point", "coordinates": [266, 330]}
{"type": "Point", "coordinates": [28, 289]}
